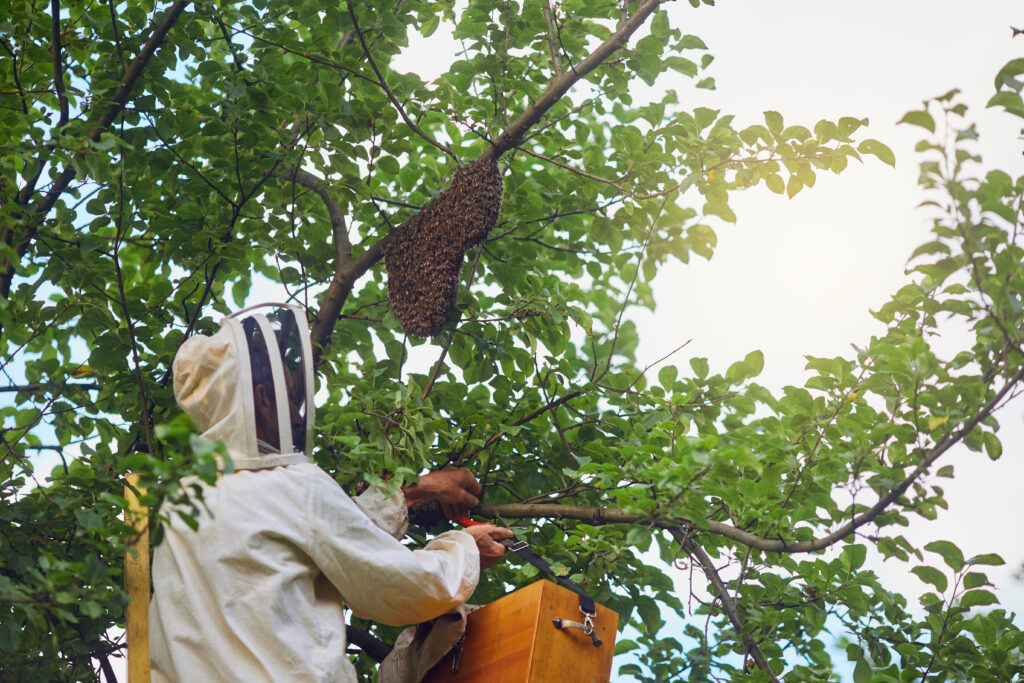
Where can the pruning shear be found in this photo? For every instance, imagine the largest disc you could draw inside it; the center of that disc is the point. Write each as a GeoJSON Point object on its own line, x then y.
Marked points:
{"type": "Point", "coordinates": [466, 521]}
{"type": "Point", "coordinates": [588, 607]}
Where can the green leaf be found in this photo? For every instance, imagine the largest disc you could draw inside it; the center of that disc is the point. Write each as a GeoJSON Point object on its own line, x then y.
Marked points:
{"type": "Point", "coordinates": [428, 27]}
{"type": "Point", "coordinates": [793, 186]}
{"type": "Point", "coordinates": [991, 559]}
{"type": "Point", "coordinates": [754, 362]}
{"type": "Point", "coordinates": [750, 366]}
{"type": "Point", "coordinates": [879, 150]}
{"type": "Point", "coordinates": [977, 598]}
{"type": "Point", "coordinates": [862, 672]}
{"type": "Point", "coordinates": [773, 120]}
{"type": "Point", "coordinates": [775, 183]}
{"type": "Point", "coordinates": [856, 555]}
{"type": "Point", "coordinates": [704, 117]}
{"type": "Point", "coordinates": [993, 446]}
{"type": "Point", "coordinates": [389, 165]}
{"type": "Point", "coordinates": [975, 579]}
{"type": "Point", "coordinates": [105, 142]}
{"type": "Point", "coordinates": [919, 118]}
{"type": "Point", "coordinates": [1014, 67]}
{"type": "Point", "coordinates": [931, 575]}
{"type": "Point", "coordinates": [950, 554]}
{"type": "Point", "coordinates": [1010, 101]}
{"type": "Point", "coordinates": [689, 42]}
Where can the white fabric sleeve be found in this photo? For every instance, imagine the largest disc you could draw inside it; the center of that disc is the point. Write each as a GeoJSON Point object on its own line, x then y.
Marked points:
{"type": "Point", "coordinates": [379, 578]}
{"type": "Point", "coordinates": [390, 513]}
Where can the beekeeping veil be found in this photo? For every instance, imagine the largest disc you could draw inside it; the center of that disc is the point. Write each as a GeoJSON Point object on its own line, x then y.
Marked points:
{"type": "Point", "coordinates": [258, 358]}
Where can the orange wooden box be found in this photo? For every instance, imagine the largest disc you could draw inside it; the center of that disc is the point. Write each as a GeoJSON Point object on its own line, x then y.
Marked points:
{"type": "Point", "coordinates": [513, 640]}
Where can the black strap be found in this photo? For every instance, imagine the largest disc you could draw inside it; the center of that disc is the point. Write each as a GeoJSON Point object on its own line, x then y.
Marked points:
{"type": "Point", "coordinates": [523, 550]}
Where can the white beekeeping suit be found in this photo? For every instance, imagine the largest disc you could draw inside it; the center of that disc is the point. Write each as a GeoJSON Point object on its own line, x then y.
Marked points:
{"type": "Point", "coordinates": [255, 594]}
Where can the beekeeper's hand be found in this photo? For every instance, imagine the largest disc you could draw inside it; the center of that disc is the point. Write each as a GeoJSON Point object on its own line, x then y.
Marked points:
{"type": "Point", "coordinates": [487, 537]}
{"type": "Point", "coordinates": [456, 489]}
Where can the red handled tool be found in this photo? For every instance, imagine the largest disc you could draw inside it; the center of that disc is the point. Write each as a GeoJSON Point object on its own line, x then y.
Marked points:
{"type": "Point", "coordinates": [466, 521]}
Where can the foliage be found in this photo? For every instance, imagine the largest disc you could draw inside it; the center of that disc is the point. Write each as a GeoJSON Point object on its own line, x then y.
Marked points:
{"type": "Point", "coordinates": [158, 163]}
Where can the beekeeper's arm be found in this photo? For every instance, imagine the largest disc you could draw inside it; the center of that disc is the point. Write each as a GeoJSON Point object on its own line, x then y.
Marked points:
{"type": "Point", "coordinates": [381, 579]}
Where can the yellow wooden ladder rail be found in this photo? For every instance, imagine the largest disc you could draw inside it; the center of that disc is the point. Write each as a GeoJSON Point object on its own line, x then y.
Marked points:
{"type": "Point", "coordinates": [136, 585]}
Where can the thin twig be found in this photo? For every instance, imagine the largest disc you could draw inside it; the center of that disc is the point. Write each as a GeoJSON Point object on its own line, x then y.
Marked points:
{"type": "Point", "coordinates": [387, 91]}
{"type": "Point", "coordinates": [116, 106]}
{"type": "Point", "coordinates": [688, 543]}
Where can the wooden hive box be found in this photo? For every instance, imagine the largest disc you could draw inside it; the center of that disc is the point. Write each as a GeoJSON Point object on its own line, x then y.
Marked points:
{"type": "Point", "coordinates": [513, 640]}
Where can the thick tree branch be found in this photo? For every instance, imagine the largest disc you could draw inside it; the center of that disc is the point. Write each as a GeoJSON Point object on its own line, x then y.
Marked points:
{"type": "Point", "coordinates": [691, 546]}
{"type": "Point", "coordinates": [345, 278]}
{"type": "Point", "coordinates": [376, 648]}
{"type": "Point", "coordinates": [339, 228]}
{"type": "Point", "coordinates": [58, 63]}
{"type": "Point", "coordinates": [337, 292]}
{"type": "Point", "coordinates": [513, 135]}
{"type": "Point", "coordinates": [116, 106]}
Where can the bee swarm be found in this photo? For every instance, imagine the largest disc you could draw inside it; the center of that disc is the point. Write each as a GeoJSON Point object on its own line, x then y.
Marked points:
{"type": "Point", "coordinates": [424, 257]}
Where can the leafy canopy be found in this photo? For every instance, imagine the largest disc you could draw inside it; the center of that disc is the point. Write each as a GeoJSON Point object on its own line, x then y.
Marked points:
{"type": "Point", "coordinates": [160, 164]}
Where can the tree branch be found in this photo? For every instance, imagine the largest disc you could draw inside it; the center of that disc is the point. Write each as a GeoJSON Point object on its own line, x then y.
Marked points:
{"type": "Point", "coordinates": [556, 57]}
{"type": "Point", "coordinates": [337, 292]}
{"type": "Point", "coordinates": [117, 105]}
{"type": "Point", "coordinates": [691, 546]}
{"type": "Point", "coordinates": [58, 63]}
{"type": "Point", "coordinates": [376, 648]}
{"type": "Point", "coordinates": [551, 405]}
{"type": "Point", "coordinates": [339, 228]}
{"type": "Point", "coordinates": [395, 202]}
{"type": "Point", "coordinates": [387, 91]}
{"type": "Point", "coordinates": [36, 386]}
{"type": "Point", "coordinates": [513, 135]}
{"type": "Point", "coordinates": [343, 281]}
{"type": "Point", "coordinates": [599, 515]}
{"type": "Point", "coordinates": [573, 169]}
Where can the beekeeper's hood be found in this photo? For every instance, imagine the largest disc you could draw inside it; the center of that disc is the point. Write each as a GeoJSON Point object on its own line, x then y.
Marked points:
{"type": "Point", "coordinates": [259, 365]}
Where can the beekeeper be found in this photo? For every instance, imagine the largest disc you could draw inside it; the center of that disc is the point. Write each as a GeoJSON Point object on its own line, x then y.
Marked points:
{"type": "Point", "coordinates": [257, 592]}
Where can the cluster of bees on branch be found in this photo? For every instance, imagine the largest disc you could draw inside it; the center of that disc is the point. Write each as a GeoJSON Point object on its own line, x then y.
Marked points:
{"type": "Point", "coordinates": [424, 256]}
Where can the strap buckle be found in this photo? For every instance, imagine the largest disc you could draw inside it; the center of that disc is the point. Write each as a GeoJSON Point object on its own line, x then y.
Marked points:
{"type": "Point", "coordinates": [588, 621]}
{"type": "Point", "coordinates": [515, 545]}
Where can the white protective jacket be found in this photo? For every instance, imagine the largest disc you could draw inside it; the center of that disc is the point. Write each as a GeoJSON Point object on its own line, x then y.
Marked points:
{"type": "Point", "coordinates": [255, 594]}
